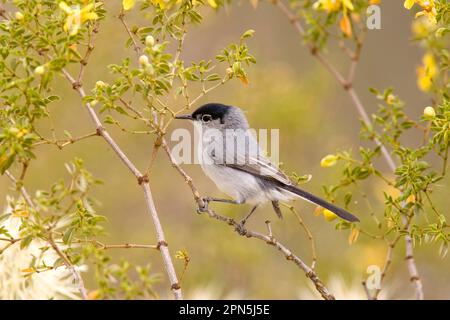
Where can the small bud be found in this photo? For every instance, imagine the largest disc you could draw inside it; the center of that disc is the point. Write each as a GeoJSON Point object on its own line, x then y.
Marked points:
{"type": "Point", "coordinates": [21, 133]}
{"type": "Point", "coordinates": [19, 15]}
{"type": "Point", "coordinates": [429, 112]}
{"type": "Point", "coordinates": [100, 84]}
{"type": "Point", "coordinates": [39, 70]}
{"type": "Point", "coordinates": [229, 70]}
{"type": "Point", "coordinates": [149, 41]}
{"type": "Point", "coordinates": [329, 215]}
{"type": "Point", "coordinates": [328, 161]}
{"type": "Point", "coordinates": [390, 99]}
{"type": "Point", "coordinates": [93, 103]}
{"type": "Point", "coordinates": [143, 60]}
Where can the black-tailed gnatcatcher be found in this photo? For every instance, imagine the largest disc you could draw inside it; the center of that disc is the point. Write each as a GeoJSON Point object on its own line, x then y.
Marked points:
{"type": "Point", "coordinates": [237, 165]}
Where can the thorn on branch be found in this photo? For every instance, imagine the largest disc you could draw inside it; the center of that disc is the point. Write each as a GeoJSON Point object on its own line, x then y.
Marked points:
{"type": "Point", "coordinates": [99, 130]}
{"type": "Point", "coordinates": [76, 85]}
{"type": "Point", "coordinates": [347, 86]}
{"type": "Point", "coordinates": [176, 286]}
{"type": "Point", "coordinates": [314, 50]}
{"type": "Point", "coordinates": [143, 179]}
{"type": "Point", "coordinates": [161, 243]}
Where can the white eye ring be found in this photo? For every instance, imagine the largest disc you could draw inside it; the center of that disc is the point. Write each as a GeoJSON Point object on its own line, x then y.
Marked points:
{"type": "Point", "coordinates": [206, 118]}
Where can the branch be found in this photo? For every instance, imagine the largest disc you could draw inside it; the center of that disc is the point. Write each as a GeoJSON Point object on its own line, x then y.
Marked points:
{"type": "Point", "coordinates": [348, 87]}
{"type": "Point", "coordinates": [270, 240]}
{"type": "Point", "coordinates": [143, 182]}
{"type": "Point", "coordinates": [70, 267]}
{"type": "Point", "coordinates": [22, 190]}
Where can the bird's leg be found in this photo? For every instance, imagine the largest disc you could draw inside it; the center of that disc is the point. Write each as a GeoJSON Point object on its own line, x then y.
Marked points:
{"type": "Point", "coordinates": [276, 208]}
{"type": "Point", "coordinates": [240, 228]}
{"type": "Point", "coordinates": [207, 200]}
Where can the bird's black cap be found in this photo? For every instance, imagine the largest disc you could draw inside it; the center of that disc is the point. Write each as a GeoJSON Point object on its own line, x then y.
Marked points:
{"type": "Point", "coordinates": [215, 110]}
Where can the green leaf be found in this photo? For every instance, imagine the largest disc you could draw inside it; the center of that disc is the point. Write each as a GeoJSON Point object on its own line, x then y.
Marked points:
{"type": "Point", "coordinates": [248, 34]}
{"type": "Point", "coordinates": [68, 235]}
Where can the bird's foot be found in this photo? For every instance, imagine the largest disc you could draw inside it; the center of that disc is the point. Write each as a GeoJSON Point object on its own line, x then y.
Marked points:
{"type": "Point", "coordinates": [204, 208]}
{"type": "Point", "coordinates": [240, 228]}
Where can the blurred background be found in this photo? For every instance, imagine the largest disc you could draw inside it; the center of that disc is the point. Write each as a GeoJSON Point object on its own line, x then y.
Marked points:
{"type": "Point", "coordinates": [289, 90]}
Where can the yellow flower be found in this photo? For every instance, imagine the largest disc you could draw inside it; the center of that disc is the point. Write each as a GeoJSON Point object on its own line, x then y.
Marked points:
{"type": "Point", "coordinates": [328, 161]}
{"type": "Point", "coordinates": [328, 5]}
{"type": "Point", "coordinates": [128, 4]}
{"type": "Point", "coordinates": [427, 72]}
{"type": "Point", "coordinates": [422, 27]}
{"type": "Point", "coordinates": [428, 8]}
{"type": "Point", "coordinates": [159, 3]}
{"type": "Point", "coordinates": [76, 16]}
{"type": "Point", "coordinates": [333, 5]}
{"type": "Point", "coordinates": [346, 25]}
{"type": "Point", "coordinates": [329, 215]}
{"type": "Point", "coordinates": [212, 3]}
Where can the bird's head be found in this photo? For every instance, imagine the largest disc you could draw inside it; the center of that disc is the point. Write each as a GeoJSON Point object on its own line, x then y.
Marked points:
{"type": "Point", "coordinates": [217, 116]}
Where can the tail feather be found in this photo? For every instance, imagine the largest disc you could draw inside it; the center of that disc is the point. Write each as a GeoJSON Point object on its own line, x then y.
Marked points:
{"type": "Point", "coordinates": [320, 202]}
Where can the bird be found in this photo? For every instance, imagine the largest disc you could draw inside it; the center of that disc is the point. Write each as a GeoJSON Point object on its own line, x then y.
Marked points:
{"type": "Point", "coordinates": [233, 160]}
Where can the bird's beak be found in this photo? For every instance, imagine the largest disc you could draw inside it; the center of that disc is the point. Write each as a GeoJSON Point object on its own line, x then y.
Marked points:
{"type": "Point", "coordinates": [185, 117]}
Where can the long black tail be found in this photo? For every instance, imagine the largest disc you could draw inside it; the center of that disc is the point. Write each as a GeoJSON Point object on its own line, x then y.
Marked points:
{"type": "Point", "coordinates": [320, 202]}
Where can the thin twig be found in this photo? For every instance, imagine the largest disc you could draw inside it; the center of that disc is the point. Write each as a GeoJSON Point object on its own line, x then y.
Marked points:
{"type": "Point", "coordinates": [270, 240]}
{"type": "Point", "coordinates": [308, 234]}
{"type": "Point", "coordinates": [70, 267]}
{"type": "Point", "coordinates": [22, 190]}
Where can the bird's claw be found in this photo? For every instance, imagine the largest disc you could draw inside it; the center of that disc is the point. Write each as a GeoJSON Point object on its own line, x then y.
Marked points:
{"type": "Point", "coordinates": [204, 208]}
{"type": "Point", "coordinates": [240, 228]}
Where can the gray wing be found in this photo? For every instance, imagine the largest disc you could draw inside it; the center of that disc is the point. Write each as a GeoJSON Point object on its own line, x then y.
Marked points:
{"type": "Point", "coordinates": [249, 159]}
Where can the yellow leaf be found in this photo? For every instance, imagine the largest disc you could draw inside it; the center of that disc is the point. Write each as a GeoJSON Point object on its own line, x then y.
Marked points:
{"type": "Point", "coordinates": [93, 295]}
{"type": "Point", "coordinates": [348, 4]}
{"type": "Point", "coordinates": [159, 3]}
{"type": "Point", "coordinates": [409, 4]}
{"type": "Point", "coordinates": [212, 3]}
{"type": "Point", "coordinates": [254, 3]}
{"type": "Point", "coordinates": [21, 213]}
{"type": "Point", "coordinates": [244, 79]}
{"type": "Point", "coordinates": [28, 270]}
{"type": "Point", "coordinates": [64, 7]}
{"type": "Point", "coordinates": [353, 236]}
{"type": "Point", "coordinates": [128, 4]}
{"type": "Point", "coordinates": [328, 161]}
{"type": "Point", "coordinates": [329, 215]}
{"type": "Point", "coordinates": [346, 26]}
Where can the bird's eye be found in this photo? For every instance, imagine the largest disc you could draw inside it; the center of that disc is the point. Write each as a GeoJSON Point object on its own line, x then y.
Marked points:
{"type": "Point", "coordinates": [206, 118]}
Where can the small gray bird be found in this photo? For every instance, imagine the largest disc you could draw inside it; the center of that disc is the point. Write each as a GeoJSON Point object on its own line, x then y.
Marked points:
{"type": "Point", "coordinates": [231, 157]}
